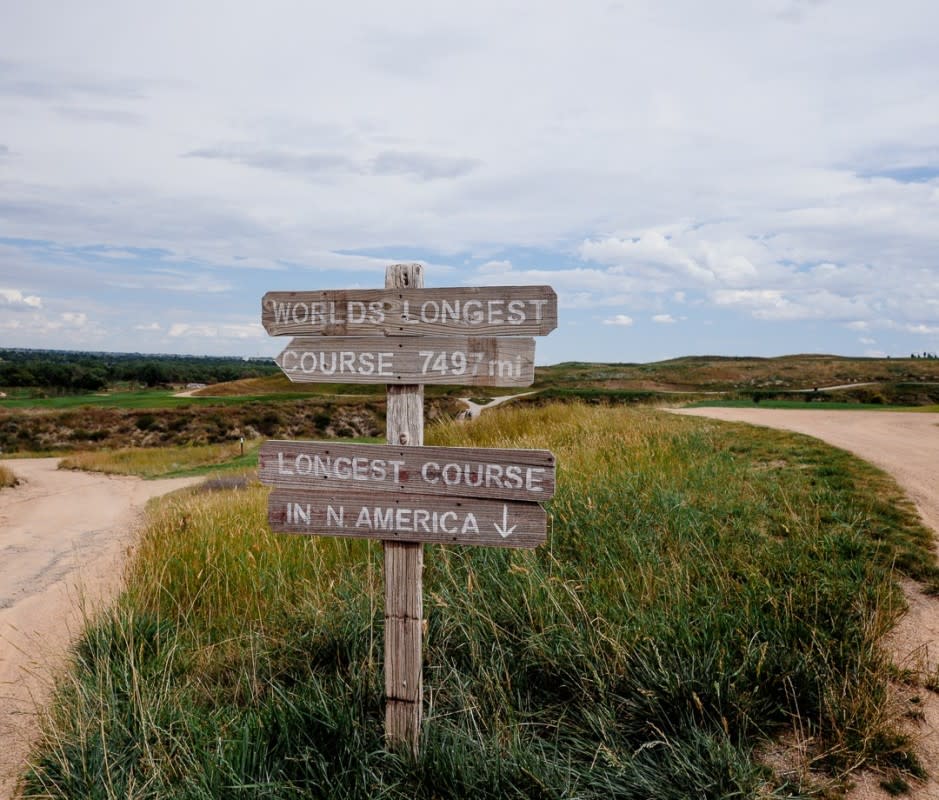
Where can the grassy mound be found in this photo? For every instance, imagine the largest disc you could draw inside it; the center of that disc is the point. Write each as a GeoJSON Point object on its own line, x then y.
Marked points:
{"type": "Point", "coordinates": [704, 587]}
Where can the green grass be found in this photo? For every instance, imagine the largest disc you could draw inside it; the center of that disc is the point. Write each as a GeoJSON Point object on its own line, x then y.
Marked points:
{"type": "Point", "coordinates": [704, 586]}
{"type": "Point", "coordinates": [153, 398]}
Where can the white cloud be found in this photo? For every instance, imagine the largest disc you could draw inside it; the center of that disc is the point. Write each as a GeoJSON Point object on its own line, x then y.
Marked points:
{"type": "Point", "coordinates": [745, 173]}
{"type": "Point", "coordinates": [77, 319]}
{"type": "Point", "coordinates": [664, 319]}
{"type": "Point", "coordinates": [620, 319]}
{"type": "Point", "coordinates": [152, 326]}
{"type": "Point", "coordinates": [17, 301]}
{"type": "Point", "coordinates": [774, 304]}
{"type": "Point", "coordinates": [208, 330]}
{"type": "Point", "coordinates": [495, 267]}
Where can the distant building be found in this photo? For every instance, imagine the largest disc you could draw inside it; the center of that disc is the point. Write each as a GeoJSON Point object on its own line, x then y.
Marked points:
{"type": "Point", "coordinates": [195, 385]}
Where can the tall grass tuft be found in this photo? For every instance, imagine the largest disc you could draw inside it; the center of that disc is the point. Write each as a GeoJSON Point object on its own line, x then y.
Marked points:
{"type": "Point", "coordinates": [8, 478]}
{"type": "Point", "coordinates": [704, 588]}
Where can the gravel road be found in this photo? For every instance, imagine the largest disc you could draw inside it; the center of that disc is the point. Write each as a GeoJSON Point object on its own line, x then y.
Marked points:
{"type": "Point", "coordinates": [63, 539]}
{"type": "Point", "coordinates": [906, 445]}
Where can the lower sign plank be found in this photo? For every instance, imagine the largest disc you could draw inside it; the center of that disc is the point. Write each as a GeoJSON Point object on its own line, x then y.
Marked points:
{"type": "Point", "coordinates": [455, 360]}
{"type": "Point", "coordinates": [408, 518]}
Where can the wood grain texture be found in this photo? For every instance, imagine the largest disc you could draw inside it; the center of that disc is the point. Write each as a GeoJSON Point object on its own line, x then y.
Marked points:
{"type": "Point", "coordinates": [523, 475]}
{"type": "Point", "coordinates": [412, 310]}
{"type": "Point", "coordinates": [408, 518]}
{"type": "Point", "coordinates": [453, 360]}
{"type": "Point", "coordinates": [404, 565]}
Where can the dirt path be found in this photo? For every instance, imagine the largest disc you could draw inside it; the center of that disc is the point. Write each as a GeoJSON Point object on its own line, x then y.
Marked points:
{"type": "Point", "coordinates": [474, 409]}
{"type": "Point", "coordinates": [63, 538]}
{"type": "Point", "coordinates": [907, 446]}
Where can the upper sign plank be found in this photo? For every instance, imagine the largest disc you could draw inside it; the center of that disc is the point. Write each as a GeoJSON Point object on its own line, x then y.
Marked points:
{"type": "Point", "coordinates": [476, 310]}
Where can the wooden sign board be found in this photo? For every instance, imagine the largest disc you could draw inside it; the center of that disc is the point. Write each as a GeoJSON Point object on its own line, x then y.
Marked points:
{"type": "Point", "coordinates": [520, 475]}
{"type": "Point", "coordinates": [455, 360]}
{"type": "Point", "coordinates": [477, 310]}
{"type": "Point", "coordinates": [409, 518]}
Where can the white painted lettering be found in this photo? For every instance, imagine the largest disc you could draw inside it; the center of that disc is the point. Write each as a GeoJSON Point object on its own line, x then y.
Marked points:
{"type": "Point", "coordinates": [281, 468]}
{"type": "Point", "coordinates": [289, 355]}
{"type": "Point", "coordinates": [469, 524]}
{"type": "Point", "coordinates": [376, 314]}
{"type": "Point", "coordinates": [332, 363]}
{"type": "Point", "coordinates": [403, 519]}
{"type": "Point", "coordinates": [406, 313]}
{"type": "Point", "coordinates": [451, 474]}
{"type": "Point", "coordinates": [430, 311]}
{"type": "Point", "coordinates": [473, 317]}
{"type": "Point", "coordinates": [516, 312]}
{"type": "Point", "coordinates": [471, 480]}
{"type": "Point", "coordinates": [421, 518]}
{"type": "Point", "coordinates": [281, 311]}
{"type": "Point", "coordinates": [532, 481]}
{"type": "Point", "coordinates": [308, 367]}
{"type": "Point", "coordinates": [450, 312]}
{"type": "Point", "coordinates": [356, 311]}
{"type": "Point", "coordinates": [360, 469]}
{"type": "Point", "coordinates": [494, 475]}
{"type": "Point", "coordinates": [539, 309]}
{"type": "Point", "coordinates": [335, 519]}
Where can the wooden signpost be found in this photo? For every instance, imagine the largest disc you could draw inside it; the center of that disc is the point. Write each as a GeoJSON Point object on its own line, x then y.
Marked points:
{"type": "Point", "coordinates": [403, 493]}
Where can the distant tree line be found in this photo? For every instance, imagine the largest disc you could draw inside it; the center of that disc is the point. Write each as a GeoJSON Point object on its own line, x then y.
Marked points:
{"type": "Point", "coordinates": [923, 355]}
{"type": "Point", "coordinates": [70, 371]}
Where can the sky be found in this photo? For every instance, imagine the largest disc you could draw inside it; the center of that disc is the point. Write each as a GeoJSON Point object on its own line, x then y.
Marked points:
{"type": "Point", "coordinates": [752, 177]}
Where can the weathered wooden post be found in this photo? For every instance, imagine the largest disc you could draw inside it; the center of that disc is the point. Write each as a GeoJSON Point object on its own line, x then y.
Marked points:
{"type": "Point", "coordinates": [403, 493]}
{"type": "Point", "coordinates": [404, 564]}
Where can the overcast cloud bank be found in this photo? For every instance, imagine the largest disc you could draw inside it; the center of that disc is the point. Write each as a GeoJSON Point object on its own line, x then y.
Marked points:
{"type": "Point", "coordinates": [747, 178]}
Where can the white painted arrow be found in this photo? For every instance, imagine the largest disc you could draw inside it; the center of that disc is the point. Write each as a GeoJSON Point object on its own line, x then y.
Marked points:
{"type": "Point", "coordinates": [504, 529]}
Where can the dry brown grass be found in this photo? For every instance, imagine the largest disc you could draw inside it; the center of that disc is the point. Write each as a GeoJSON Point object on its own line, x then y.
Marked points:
{"type": "Point", "coordinates": [150, 462]}
{"type": "Point", "coordinates": [7, 477]}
